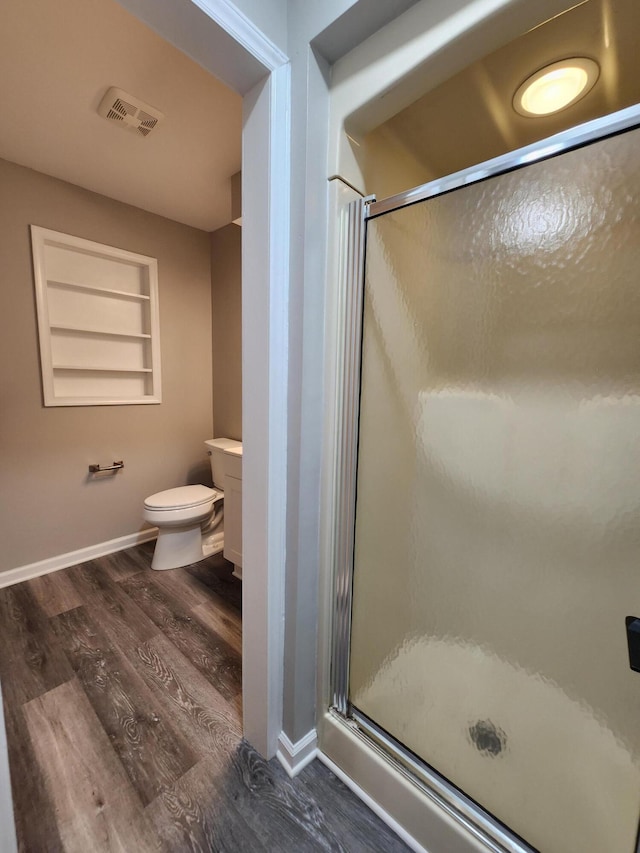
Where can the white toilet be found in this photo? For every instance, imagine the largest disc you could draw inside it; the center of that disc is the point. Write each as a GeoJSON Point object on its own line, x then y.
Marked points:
{"type": "Point", "coordinates": [190, 518]}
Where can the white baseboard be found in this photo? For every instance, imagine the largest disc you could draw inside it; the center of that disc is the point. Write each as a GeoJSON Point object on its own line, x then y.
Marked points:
{"type": "Point", "coordinates": [384, 816]}
{"type": "Point", "coordinates": [72, 558]}
{"type": "Point", "coordinates": [294, 757]}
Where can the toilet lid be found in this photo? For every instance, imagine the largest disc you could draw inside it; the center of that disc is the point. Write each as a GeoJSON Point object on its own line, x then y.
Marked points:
{"type": "Point", "coordinates": [182, 497]}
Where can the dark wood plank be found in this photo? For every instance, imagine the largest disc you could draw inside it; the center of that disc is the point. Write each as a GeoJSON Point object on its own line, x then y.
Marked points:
{"type": "Point", "coordinates": [211, 724]}
{"type": "Point", "coordinates": [29, 654]}
{"type": "Point", "coordinates": [33, 810]}
{"type": "Point", "coordinates": [350, 819]}
{"type": "Point", "coordinates": [224, 621]}
{"type": "Point", "coordinates": [55, 592]}
{"type": "Point", "coordinates": [118, 614]}
{"type": "Point", "coordinates": [146, 549]}
{"type": "Point", "coordinates": [220, 664]}
{"type": "Point", "coordinates": [275, 807]}
{"type": "Point", "coordinates": [284, 814]}
{"type": "Point", "coordinates": [216, 573]}
{"type": "Point", "coordinates": [197, 815]}
{"type": "Point", "coordinates": [152, 752]}
{"type": "Point", "coordinates": [31, 663]}
{"type": "Point", "coordinates": [97, 809]}
{"type": "Point", "coordinates": [251, 805]}
{"type": "Point", "coordinates": [182, 586]}
{"type": "Point", "coordinates": [123, 564]}
{"type": "Point", "coordinates": [163, 676]}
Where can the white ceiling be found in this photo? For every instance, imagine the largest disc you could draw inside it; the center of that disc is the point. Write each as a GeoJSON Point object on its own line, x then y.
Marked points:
{"type": "Point", "coordinates": [57, 59]}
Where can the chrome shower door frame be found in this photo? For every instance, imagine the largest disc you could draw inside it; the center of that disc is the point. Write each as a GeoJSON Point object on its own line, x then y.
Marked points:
{"type": "Point", "coordinates": [475, 819]}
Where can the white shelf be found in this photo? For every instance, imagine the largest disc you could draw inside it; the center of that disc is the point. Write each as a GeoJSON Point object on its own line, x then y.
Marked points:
{"type": "Point", "coordinates": [93, 288]}
{"type": "Point", "coordinates": [58, 327]}
{"type": "Point", "coordinates": [82, 286]}
{"type": "Point", "coordinates": [96, 369]}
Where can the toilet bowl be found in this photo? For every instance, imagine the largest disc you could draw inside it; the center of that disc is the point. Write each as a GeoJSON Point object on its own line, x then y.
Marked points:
{"type": "Point", "coordinates": [190, 518]}
{"type": "Point", "coordinates": [179, 514]}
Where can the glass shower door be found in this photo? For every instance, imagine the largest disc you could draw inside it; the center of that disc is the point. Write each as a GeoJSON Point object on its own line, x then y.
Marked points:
{"type": "Point", "coordinates": [497, 532]}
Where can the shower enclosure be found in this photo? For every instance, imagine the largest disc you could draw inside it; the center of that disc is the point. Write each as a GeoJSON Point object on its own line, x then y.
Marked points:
{"type": "Point", "coordinates": [489, 555]}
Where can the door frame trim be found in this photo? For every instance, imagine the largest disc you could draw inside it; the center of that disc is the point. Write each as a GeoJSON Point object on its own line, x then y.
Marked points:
{"type": "Point", "coordinates": [227, 44]}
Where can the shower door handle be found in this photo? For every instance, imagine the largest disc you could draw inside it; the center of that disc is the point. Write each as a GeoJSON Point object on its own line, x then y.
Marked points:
{"type": "Point", "coordinates": [633, 642]}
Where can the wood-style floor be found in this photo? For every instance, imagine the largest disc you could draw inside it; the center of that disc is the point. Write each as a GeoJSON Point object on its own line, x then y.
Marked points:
{"type": "Point", "coordinates": [122, 702]}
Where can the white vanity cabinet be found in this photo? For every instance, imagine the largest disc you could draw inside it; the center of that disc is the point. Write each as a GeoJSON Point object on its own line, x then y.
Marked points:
{"type": "Point", "coordinates": [233, 508]}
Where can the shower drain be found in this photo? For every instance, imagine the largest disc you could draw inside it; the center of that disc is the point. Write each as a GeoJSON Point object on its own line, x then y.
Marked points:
{"type": "Point", "coordinates": [487, 737]}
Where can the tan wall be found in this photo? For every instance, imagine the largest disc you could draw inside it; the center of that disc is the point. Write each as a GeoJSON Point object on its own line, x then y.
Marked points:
{"type": "Point", "coordinates": [226, 296]}
{"type": "Point", "coordinates": [388, 166]}
{"type": "Point", "coordinates": [49, 506]}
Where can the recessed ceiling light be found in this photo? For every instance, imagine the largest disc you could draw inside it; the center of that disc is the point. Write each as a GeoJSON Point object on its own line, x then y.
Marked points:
{"type": "Point", "coordinates": [556, 86]}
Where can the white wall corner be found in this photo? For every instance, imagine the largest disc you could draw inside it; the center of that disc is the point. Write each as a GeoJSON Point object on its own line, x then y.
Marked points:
{"type": "Point", "coordinates": [294, 757]}
{"type": "Point", "coordinates": [244, 30]}
{"type": "Point", "coordinates": [265, 297]}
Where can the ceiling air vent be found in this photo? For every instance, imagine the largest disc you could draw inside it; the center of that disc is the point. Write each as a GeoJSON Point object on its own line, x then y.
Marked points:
{"type": "Point", "coordinates": [129, 111]}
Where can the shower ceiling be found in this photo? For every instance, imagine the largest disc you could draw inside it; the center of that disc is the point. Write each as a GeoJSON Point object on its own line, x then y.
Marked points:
{"type": "Point", "coordinates": [470, 118]}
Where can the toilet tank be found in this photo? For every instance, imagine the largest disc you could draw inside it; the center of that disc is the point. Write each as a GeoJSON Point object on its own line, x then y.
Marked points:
{"type": "Point", "coordinates": [216, 448]}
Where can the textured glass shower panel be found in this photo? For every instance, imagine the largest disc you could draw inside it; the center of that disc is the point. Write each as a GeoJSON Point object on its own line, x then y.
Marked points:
{"type": "Point", "coordinates": [498, 496]}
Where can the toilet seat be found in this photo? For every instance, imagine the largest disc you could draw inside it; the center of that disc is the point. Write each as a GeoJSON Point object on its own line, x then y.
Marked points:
{"type": "Point", "coordinates": [182, 498]}
{"type": "Point", "coordinates": [185, 505]}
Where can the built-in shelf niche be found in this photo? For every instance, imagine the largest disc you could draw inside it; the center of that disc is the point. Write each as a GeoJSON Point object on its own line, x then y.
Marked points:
{"type": "Point", "coordinates": [97, 320]}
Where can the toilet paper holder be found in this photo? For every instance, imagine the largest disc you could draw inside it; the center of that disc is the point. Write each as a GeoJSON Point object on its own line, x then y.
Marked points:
{"type": "Point", "coordinates": [96, 469]}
